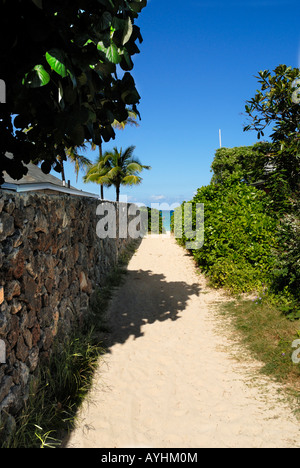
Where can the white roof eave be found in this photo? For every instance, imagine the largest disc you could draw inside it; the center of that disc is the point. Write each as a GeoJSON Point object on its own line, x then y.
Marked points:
{"type": "Point", "coordinates": [37, 187]}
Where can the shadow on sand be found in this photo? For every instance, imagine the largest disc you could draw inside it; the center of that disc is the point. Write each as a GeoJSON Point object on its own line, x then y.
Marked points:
{"type": "Point", "coordinates": [144, 298]}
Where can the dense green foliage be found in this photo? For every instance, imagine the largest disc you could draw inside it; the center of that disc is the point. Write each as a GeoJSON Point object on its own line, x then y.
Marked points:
{"type": "Point", "coordinates": [66, 65]}
{"type": "Point", "coordinates": [252, 235]}
{"type": "Point", "coordinates": [277, 104]}
{"type": "Point", "coordinates": [286, 274]}
{"type": "Point", "coordinates": [239, 236]}
{"type": "Point", "coordinates": [252, 215]}
{"type": "Point", "coordinates": [258, 165]}
{"type": "Point", "coordinates": [244, 162]}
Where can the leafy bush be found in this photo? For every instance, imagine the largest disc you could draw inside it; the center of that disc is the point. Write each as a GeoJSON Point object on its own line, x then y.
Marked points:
{"type": "Point", "coordinates": [286, 273]}
{"type": "Point", "coordinates": [246, 162]}
{"type": "Point", "coordinates": [239, 236]}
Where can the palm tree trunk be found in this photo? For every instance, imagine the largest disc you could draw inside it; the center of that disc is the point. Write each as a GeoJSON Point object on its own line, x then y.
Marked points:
{"type": "Point", "coordinates": [101, 157]}
{"type": "Point", "coordinates": [63, 177]}
{"type": "Point", "coordinates": [118, 192]}
{"type": "Point", "coordinates": [62, 169]}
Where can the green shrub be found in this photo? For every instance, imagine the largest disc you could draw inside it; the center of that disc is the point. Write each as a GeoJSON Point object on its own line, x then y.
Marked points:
{"type": "Point", "coordinates": [239, 235]}
{"type": "Point", "coordinates": [286, 273]}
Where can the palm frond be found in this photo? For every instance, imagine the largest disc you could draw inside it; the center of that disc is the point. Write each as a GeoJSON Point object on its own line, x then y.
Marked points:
{"type": "Point", "coordinates": [131, 120]}
{"type": "Point", "coordinates": [98, 179]}
{"type": "Point", "coordinates": [132, 180]}
{"type": "Point", "coordinates": [134, 167]}
{"type": "Point", "coordinates": [80, 161]}
{"type": "Point", "coordinates": [116, 167]}
{"type": "Point", "coordinates": [128, 153]}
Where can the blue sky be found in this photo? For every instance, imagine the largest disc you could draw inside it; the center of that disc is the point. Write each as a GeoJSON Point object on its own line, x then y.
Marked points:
{"type": "Point", "coordinates": [194, 73]}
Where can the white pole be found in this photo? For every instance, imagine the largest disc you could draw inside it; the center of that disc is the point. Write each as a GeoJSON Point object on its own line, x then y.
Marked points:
{"type": "Point", "coordinates": [220, 138]}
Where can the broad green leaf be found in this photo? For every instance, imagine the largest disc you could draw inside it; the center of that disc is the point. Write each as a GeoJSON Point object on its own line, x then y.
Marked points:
{"type": "Point", "coordinates": [130, 97]}
{"type": "Point", "coordinates": [89, 41]}
{"type": "Point", "coordinates": [117, 24]}
{"type": "Point", "coordinates": [105, 68]}
{"type": "Point", "coordinates": [44, 76]}
{"type": "Point", "coordinates": [127, 31]}
{"type": "Point", "coordinates": [112, 54]}
{"type": "Point", "coordinates": [46, 167]}
{"type": "Point", "coordinates": [128, 65]}
{"type": "Point", "coordinates": [82, 79]}
{"type": "Point", "coordinates": [137, 6]}
{"type": "Point", "coordinates": [77, 135]}
{"type": "Point", "coordinates": [101, 46]}
{"type": "Point", "coordinates": [107, 2]}
{"type": "Point", "coordinates": [37, 78]}
{"type": "Point", "coordinates": [57, 61]}
{"type": "Point", "coordinates": [105, 21]}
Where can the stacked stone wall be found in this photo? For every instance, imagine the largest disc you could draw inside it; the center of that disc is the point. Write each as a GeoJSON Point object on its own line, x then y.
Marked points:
{"type": "Point", "coordinates": [51, 262]}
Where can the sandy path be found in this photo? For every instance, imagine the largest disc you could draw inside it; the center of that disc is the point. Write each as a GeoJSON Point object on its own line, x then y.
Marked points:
{"type": "Point", "coordinates": [170, 380]}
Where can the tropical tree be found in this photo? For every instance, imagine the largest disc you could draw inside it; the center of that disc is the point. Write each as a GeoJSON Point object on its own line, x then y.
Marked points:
{"type": "Point", "coordinates": [99, 167]}
{"type": "Point", "coordinates": [117, 168]}
{"type": "Point", "coordinates": [64, 83]}
{"type": "Point", "coordinates": [277, 104]}
{"type": "Point", "coordinates": [246, 162]}
{"type": "Point", "coordinates": [125, 168]}
{"type": "Point", "coordinates": [78, 160]}
{"type": "Point", "coordinates": [98, 172]}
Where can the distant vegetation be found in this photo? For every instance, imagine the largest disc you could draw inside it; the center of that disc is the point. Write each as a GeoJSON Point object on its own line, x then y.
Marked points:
{"type": "Point", "coordinates": [155, 221]}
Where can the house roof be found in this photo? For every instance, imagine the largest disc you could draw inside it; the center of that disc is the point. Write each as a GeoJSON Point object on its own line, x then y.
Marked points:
{"type": "Point", "coordinates": [34, 176]}
{"type": "Point", "coordinates": [36, 180]}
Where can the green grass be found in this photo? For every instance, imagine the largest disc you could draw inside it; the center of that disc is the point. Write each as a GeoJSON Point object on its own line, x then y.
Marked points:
{"type": "Point", "coordinates": [56, 394]}
{"type": "Point", "coordinates": [268, 335]}
{"type": "Point", "coordinates": [64, 382]}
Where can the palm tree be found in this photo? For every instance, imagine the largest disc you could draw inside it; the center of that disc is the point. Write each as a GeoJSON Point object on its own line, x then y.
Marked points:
{"type": "Point", "coordinates": [124, 168]}
{"type": "Point", "coordinates": [79, 161]}
{"type": "Point", "coordinates": [98, 172]}
{"type": "Point", "coordinates": [116, 168]}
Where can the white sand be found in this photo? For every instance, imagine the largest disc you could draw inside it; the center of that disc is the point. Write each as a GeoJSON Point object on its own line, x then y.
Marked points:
{"type": "Point", "coordinates": [170, 380]}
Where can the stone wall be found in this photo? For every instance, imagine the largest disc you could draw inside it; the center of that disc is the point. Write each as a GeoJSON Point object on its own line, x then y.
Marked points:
{"type": "Point", "coordinates": [51, 262]}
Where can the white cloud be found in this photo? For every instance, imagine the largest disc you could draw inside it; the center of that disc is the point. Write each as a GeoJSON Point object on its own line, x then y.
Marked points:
{"type": "Point", "coordinates": [158, 197]}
